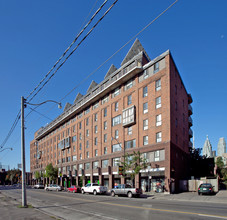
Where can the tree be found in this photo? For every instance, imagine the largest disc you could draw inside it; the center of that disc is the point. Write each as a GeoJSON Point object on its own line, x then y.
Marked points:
{"type": "Point", "coordinates": [134, 163]}
{"type": "Point", "coordinates": [37, 175]}
{"type": "Point", "coordinates": [13, 175]}
{"type": "Point", "coordinates": [51, 172]}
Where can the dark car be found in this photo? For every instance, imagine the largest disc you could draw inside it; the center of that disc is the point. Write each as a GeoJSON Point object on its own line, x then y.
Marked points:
{"type": "Point", "coordinates": [74, 189]}
{"type": "Point", "coordinates": [205, 188]}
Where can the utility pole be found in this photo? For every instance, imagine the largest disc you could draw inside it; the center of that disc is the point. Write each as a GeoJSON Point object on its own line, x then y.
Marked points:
{"type": "Point", "coordinates": [24, 197]}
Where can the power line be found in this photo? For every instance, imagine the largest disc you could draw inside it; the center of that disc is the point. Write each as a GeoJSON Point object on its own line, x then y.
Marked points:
{"type": "Point", "coordinates": [74, 49]}
{"type": "Point", "coordinates": [78, 35]}
{"type": "Point", "coordinates": [18, 115]}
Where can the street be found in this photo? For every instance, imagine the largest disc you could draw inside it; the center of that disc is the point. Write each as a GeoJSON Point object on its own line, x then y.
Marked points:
{"type": "Point", "coordinates": [65, 205]}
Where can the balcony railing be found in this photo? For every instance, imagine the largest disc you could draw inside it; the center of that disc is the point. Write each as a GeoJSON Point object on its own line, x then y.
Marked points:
{"type": "Point", "coordinates": [135, 66]}
{"type": "Point", "coordinates": [190, 121]}
{"type": "Point", "coordinates": [190, 133]}
{"type": "Point", "coordinates": [190, 110]}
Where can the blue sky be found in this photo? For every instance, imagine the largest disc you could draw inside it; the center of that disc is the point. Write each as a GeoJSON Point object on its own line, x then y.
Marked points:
{"type": "Point", "coordinates": [34, 34]}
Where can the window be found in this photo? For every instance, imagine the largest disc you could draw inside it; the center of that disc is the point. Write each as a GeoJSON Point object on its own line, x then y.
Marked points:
{"type": "Point", "coordinates": [130, 130]}
{"type": "Point", "coordinates": [74, 158]}
{"type": "Point", "coordinates": [145, 140]}
{"type": "Point", "coordinates": [80, 156]}
{"type": "Point", "coordinates": [129, 99]}
{"type": "Point", "coordinates": [145, 74]}
{"type": "Point", "coordinates": [176, 106]}
{"type": "Point", "coordinates": [80, 136]}
{"type": "Point", "coordinates": [74, 138]}
{"type": "Point", "coordinates": [80, 125]}
{"type": "Point", "coordinates": [130, 144]}
{"type": "Point", "coordinates": [105, 163]}
{"type": "Point", "coordinates": [105, 99]}
{"type": "Point", "coordinates": [116, 106]}
{"type": "Point", "coordinates": [105, 112]}
{"type": "Point", "coordinates": [95, 117]}
{"type": "Point", "coordinates": [129, 116]}
{"type": "Point", "coordinates": [95, 164]}
{"type": "Point", "coordinates": [105, 125]}
{"type": "Point", "coordinates": [116, 161]}
{"type": "Point", "coordinates": [87, 110]}
{"type": "Point", "coordinates": [80, 146]}
{"type": "Point", "coordinates": [145, 108]}
{"type": "Point", "coordinates": [105, 138]}
{"type": "Point", "coordinates": [158, 120]}
{"type": "Point", "coordinates": [96, 141]}
{"type": "Point", "coordinates": [158, 84]}
{"type": "Point", "coordinates": [145, 91]}
{"type": "Point", "coordinates": [96, 129]}
{"type": "Point", "coordinates": [116, 120]}
{"type": "Point", "coordinates": [105, 150]}
{"type": "Point", "coordinates": [96, 153]}
{"type": "Point", "coordinates": [176, 122]}
{"type": "Point", "coordinates": [87, 166]}
{"type": "Point", "coordinates": [156, 67]}
{"type": "Point", "coordinates": [157, 155]}
{"type": "Point", "coordinates": [87, 154]}
{"type": "Point", "coordinates": [87, 121]}
{"type": "Point", "coordinates": [175, 89]}
{"type": "Point", "coordinates": [116, 147]}
{"type": "Point", "coordinates": [145, 124]}
{"type": "Point", "coordinates": [116, 134]}
{"type": "Point", "coordinates": [158, 102]}
{"type": "Point", "coordinates": [87, 133]}
{"type": "Point", "coordinates": [116, 92]}
{"type": "Point", "coordinates": [87, 144]}
{"type": "Point", "coordinates": [158, 137]}
{"type": "Point", "coordinates": [96, 105]}
{"type": "Point", "coordinates": [129, 84]}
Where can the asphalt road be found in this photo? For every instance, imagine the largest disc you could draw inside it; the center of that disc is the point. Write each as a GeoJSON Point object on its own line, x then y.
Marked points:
{"type": "Point", "coordinates": [65, 205]}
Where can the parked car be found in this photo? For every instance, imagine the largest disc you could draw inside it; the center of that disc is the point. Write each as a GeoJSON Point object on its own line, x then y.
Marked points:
{"type": "Point", "coordinates": [74, 189]}
{"type": "Point", "coordinates": [205, 188]}
{"type": "Point", "coordinates": [39, 186]}
{"type": "Point", "coordinates": [53, 187]}
{"type": "Point", "coordinates": [125, 189]}
{"type": "Point", "coordinates": [94, 188]}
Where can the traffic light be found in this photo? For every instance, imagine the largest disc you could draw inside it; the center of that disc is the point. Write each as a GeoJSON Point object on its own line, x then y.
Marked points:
{"type": "Point", "coordinates": [120, 170]}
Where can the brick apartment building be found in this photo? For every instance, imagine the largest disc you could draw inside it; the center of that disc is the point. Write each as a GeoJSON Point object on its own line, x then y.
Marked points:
{"type": "Point", "coordinates": [142, 106]}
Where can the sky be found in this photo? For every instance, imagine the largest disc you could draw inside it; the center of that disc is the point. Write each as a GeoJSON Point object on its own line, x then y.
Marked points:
{"type": "Point", "coordinates": [34, 34]}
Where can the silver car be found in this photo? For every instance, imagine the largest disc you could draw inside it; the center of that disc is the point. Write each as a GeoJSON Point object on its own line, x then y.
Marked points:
{"type": "Point", "coordinates": [53, 187]}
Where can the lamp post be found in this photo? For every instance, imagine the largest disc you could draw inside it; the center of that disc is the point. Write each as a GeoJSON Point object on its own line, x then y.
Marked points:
{"type": "Point", "coordinates": [24, 105]}
{"type": "Point", "coordinates": [10, 148]}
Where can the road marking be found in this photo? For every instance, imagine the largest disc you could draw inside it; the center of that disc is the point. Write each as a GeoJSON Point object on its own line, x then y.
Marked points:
{"type": "Point", "coordinates": [145, 208]}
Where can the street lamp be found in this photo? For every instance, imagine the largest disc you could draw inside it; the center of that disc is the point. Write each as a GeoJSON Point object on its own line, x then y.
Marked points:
{"type": "Point", "coordinates": [10, 148]}
{"type": "Point", "coordinates": [24, 104]}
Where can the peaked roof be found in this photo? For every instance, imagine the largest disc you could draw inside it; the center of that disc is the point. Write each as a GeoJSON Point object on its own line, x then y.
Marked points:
{"type": "Point", "coordinates": [92, 85]}
{"type": "Point", "coordinates": [111, 70]}
{"type": "Point", "coordinates": [134, 50]}
{"type": "Point", "coordinates": [67, 105]}
{"type": "Point", "coordinates": [79, 95]}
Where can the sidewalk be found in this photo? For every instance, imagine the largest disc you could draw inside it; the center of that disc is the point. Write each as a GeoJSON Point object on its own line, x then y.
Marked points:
{"type": "Point", "coordinates": [220, 197]}
{"type": "Point", "coordinates": [9, 210]}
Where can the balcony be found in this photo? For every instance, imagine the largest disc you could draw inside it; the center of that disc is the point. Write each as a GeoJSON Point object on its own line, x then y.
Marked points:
{"type": "Point", "coordinates": [190, 144]}
{"type": "Point", "coordinates": [190, 133]}
{"type": "Point", "coordinates": [190, 111]}
{"type": "Point", "coordinates": [190, 100]}
{"type": "Point", "coordinates": [116, 79]}
{"type": "Point", "coordinates": [190, 121]}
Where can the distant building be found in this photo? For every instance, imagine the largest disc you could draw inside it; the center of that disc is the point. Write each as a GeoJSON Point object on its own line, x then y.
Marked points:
{"type": "Point", "coordinates": [207, 148]}
{"type": "Point", "coordinates": [221, 147]}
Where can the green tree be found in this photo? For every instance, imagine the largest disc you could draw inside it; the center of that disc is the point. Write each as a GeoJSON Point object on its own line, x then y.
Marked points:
{"type": "Point", "coordinates": [37, 175]}
{"type": "Point", "coordinates": [51, 172]}
{"type": "Point", "coordinates": [13, 175]}
{"type": "Point", "coordinates": [132, 165]}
